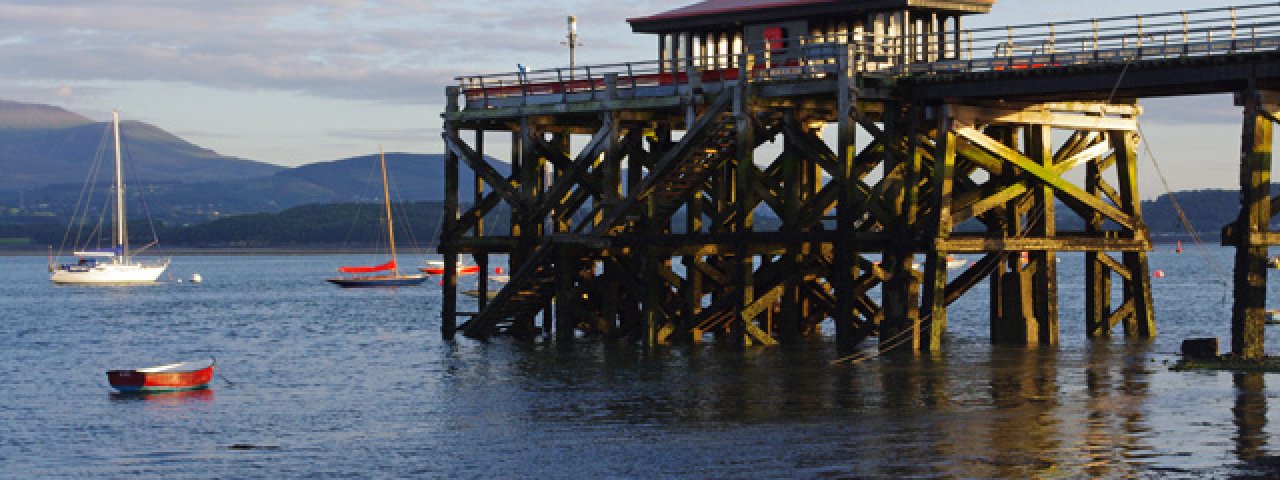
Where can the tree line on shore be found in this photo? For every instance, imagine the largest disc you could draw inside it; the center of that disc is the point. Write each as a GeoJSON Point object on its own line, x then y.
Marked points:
{"type": "Point", "coordinates": [419, 223]}
{"type": "Point", "coordinates": [345, 224]}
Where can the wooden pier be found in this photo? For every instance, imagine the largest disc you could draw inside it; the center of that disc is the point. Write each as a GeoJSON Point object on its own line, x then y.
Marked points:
{"type": "Point", "coordinates": [778, 168]}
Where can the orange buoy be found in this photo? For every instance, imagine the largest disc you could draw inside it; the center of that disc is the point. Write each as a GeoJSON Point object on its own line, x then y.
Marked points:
{"type": "Point", "coordinates": [497, 270]}
{"type": "Point", "coordinates": [1158, 274]}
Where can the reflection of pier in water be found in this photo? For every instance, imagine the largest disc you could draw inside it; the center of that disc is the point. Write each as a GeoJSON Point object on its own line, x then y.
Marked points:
{"type": "Point", "coordinates": [940, 141]}
{"type": "Point", "coordinates": [975, 411]}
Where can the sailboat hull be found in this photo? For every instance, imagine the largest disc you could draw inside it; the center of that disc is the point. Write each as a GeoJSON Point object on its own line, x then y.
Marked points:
{"type": "Point", "coordinates": [109, 274]}
{"type": "Point", "coordinates": [381, 281]}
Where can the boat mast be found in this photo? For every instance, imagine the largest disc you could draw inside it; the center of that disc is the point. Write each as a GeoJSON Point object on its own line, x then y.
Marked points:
{"type": "Point", "coordinates": [386, 200]}
{"type": "Point", "coordinates": [121, 229]}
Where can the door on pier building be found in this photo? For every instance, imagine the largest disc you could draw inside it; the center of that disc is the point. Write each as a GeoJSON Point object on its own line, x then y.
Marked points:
{"type": "Point", "coordinates": [777, 40]}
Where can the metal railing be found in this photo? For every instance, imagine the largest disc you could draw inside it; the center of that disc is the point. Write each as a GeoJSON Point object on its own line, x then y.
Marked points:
{"type": "Point", "coordinates": [1180, 34]}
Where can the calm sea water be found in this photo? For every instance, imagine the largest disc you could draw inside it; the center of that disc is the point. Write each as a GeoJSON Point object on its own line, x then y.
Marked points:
{"type": "Point", "coordinates": [316, 381]}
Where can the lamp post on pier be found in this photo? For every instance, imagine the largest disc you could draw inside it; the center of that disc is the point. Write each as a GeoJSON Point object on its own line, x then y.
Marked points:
{"type": "Point", "coordinates": [572, 41]}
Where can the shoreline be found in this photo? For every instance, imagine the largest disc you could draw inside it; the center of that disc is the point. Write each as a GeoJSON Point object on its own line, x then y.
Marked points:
{"type": "Point", "coordinates": [31, 250]}
{"type": "Point", "coordinates": [245, 251]}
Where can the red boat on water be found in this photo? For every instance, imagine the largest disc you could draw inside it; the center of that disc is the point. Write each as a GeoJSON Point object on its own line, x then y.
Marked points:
{"type": "Point", "coordinates": [173, 377]}
{"type": "Point", "coordinates": [436, 267]}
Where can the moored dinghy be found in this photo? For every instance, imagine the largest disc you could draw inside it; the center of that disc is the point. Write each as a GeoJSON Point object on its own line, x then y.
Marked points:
{"type": "Point", "coordinates": [172, 377]}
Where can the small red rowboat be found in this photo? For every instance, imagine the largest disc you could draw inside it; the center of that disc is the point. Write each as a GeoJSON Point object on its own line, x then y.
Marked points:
{"type": "Point", "coordinates": [173, 377]}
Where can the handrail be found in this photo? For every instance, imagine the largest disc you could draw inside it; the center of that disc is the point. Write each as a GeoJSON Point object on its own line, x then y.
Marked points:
{"type": "Point", "coordinates": [1117, 39]}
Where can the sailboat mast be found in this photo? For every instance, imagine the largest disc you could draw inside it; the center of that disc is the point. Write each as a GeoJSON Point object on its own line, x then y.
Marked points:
{"type": "Point", "coordinates": [386, 200]}
{"type": "Point", "coordinates": [121, 229]}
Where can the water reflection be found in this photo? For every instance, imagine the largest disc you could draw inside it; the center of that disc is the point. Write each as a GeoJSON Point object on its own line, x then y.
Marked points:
{"type": "Point", "coordinates": [1250, 412]}
{"type": "Point", "coordinates": [1116, 382]}
{"type": "Point", "coordinates": [975, 410]}
{"type": "Point", "coordinates": [203, 395]}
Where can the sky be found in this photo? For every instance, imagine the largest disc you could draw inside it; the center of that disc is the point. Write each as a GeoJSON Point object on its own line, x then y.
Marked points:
{"type": "Point", "coordinates": [291, 82]}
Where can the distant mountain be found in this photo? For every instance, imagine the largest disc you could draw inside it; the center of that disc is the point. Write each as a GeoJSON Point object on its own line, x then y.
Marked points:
{"type": "Point", "coordinates": [41, 145]}
{"type": "Point", "coordinates": [46, 153]}
{"type": "Point", "coordinates": [18, 116]}
{"type": "Point", "coordinates": [413, 178]}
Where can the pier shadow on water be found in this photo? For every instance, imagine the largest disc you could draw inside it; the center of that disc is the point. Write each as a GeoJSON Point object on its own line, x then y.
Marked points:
{"type": "Point", "coordinates": [1111, 409]}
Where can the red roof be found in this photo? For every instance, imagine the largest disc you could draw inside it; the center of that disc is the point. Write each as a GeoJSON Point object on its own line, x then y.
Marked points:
{"type": "Point", "coordinates": [717, 11]}
{"type": "Point", "coordinates": [713, 7]}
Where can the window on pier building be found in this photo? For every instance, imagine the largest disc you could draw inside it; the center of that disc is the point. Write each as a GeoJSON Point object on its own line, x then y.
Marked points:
{"type": "Point", "coordinates": [711, 34]}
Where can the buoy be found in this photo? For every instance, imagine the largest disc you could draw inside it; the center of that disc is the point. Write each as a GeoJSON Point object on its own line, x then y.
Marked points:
{"type": "Point", "coordinates": [497, 270]}
{"type": "Point", "coordinates": [1158, 274]}
{"type": "Point", "coordinates": [1179, 249]}
{"type": "Point", "coordinates": [196, 278]}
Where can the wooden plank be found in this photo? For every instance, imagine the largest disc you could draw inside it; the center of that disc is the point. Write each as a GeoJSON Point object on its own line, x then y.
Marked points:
{"type": "Point", "coordinates": [449, 302]}
{"type": "Point", "coordinates": [1039, 146]}
{"type": "Point", "coordinates": [973, 275]}
{"type": "Point", "coordinates": [1080, 107]}
{"type": "Point", "coordinates": [861, 193]}
{"type": "Point", "coordinates": [1044, 174]}
{"type": "Point", "coordinates": [573, 172]}
{"type": "Point", "coordinates": [1114, 265]}
{"type": "Point", "coordinates": [1086, 155]}
{"type": "Point", "coordinates": [761, 303]}
{"type": "Point", "coordinates": [1125, 311]}
{"type": "Point", "coordinates": [820, 204]}
{"type": "Point", "coordinates": [473, 216]}
{"type": "Point", "coordinates": [677, 154]}
{"type": "Point", "coordinates": [1142, 323]}
{"type": "Point", "coordinates": [1003, 197]}
{"type": "Point", "coordinates": [1248, 312]}
{"type": "Point", "coordinates": [505, 187]}
{"type": "Point", "coordinates": [935, 278]}
{"type": "Point", "coordinates": [982, 159]}
{"type": "Point", "coordinates": [987, 115]}
{"type": "Point", "coordinates": [1262, 238]}
{"type": "Point", "coordinates": [842, 174]}
{"type": "Point", "coordinates": [1075, 244]}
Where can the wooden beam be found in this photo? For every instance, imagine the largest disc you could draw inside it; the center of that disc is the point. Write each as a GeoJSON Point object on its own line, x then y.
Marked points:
{"type": "Point", "coordinates": [935, 277]}
{"type": "Point", "coordinates": [473, 216]}
{"type": "Point", "coordinates": [1248, 313]}
{"type": "Point", "coordinates": [575, 170]}
{"type": "Point", "coordinates": [1044, 174]}
{"type": "Point", "coordinates": [449, 290]}
{"type": "Point", "coordinates": [505, 187]}
{"type": "Point", "coordinates": [1078, 244]}
{"type": "Point", "coordinates": [988, 115]}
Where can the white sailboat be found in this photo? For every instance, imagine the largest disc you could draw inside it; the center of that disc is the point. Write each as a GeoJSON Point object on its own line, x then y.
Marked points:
{"type": "Point", "coordinates": [113, 266]}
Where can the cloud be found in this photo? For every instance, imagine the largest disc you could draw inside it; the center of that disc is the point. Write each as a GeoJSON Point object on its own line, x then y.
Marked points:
{"type": "Point", "coordinates": [394, 50]}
